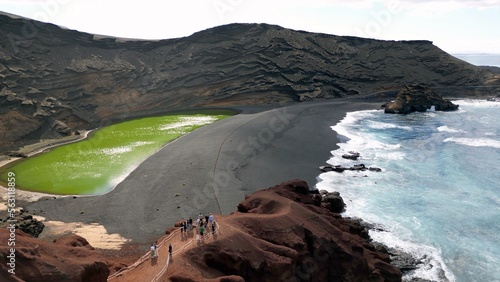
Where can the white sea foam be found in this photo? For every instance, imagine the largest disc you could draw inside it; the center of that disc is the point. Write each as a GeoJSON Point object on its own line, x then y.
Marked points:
{"type": "Point", "coordinates": [422, 216]}
{"type": "Point", "coordinates": [475, 142]}
{"type": "Point", "coordinates": [372, 149]}
{"type": "Point", "coordinates": [384, 125]}
{"type": "Point", "coordinates": [445, 128]}
{"type": "Point", "coordinates": [478, 103]}
{"type": "Point", "coordinates": [342, 128]}
{"type": "Point", "coordinates": [433, 267]}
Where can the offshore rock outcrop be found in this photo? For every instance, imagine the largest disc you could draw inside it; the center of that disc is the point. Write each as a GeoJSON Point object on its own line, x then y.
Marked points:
{"type": "Point", "coordinates": [56, 81]}
{"type": "Point", "coordinates": [356, 167]}
{"type": "Point", "coordinates": [284, 233]}
{"type": "Point", "coordinates": [417, 98]}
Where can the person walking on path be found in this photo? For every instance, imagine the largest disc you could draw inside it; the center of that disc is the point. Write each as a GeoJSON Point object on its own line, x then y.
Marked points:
{"type": "Point", "coordinates": [170, 250]}
{"type": "Point", "coordinates": [197, 236]}
{"type": "Point", "coordinates": [201, 232]}
{"type": "Point", "coordinates": [153, 250]}
{"type": "Point", "coordinates": [156, 249]}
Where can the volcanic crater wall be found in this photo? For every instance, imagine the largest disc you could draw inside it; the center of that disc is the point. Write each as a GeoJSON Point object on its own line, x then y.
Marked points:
{"type": "Point", "coordinates": [55, 81]}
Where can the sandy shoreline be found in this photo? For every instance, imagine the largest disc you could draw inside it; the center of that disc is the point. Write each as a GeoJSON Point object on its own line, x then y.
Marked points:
{"type": "Point", "coordinates": [44, 145]}
{"type": "Point", "coordinates": [211, 169]}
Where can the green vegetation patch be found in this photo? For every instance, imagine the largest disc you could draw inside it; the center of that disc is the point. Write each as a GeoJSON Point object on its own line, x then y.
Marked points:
{"type": "Point", "coordinates": [97, 164]}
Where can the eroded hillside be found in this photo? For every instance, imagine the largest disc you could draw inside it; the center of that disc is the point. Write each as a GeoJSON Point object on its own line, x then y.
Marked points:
{"type": "Point", "coordinates": [55, 81]}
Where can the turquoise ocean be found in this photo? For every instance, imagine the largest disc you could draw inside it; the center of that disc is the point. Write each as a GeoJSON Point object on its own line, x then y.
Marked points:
{"type": "Point", "coordinates": [438, 195]}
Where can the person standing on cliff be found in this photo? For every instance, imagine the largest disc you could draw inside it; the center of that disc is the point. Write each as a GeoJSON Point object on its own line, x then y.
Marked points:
{"type": "Point", "coordinates": [152, 248]}
{"type": "Point", "coordinates": [183, 226]}
{"type": "Point", "coordinates": [156, 249]}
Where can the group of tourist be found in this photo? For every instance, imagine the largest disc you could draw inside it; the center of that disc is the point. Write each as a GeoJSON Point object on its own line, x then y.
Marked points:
{"type": "Point", "coordinates": [202, 225]}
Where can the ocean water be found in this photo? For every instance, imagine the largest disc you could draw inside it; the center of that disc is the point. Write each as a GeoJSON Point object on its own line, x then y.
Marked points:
{"type": "Point", "coordinates": [438, 195]}
{"type": "Point", "coordinates": [480, 59]}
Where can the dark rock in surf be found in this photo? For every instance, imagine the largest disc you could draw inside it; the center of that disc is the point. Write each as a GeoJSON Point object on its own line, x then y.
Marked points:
{"type": "Point", "coordinates": [417, 98]}
{"type": "Point", "coordinates": [351, 156]}
{"type": "Point", "coordinates": [334, 202]}
{"type": "Point", "coordinates": [357, 167]}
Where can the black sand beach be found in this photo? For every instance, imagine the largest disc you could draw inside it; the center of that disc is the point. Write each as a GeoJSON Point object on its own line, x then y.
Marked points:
{"type": "Point", "coordinates": [212, 169]}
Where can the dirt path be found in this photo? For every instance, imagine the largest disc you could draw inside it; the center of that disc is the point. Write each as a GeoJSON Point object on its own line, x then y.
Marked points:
{"type": "Point", "coordinates": [156, 269]}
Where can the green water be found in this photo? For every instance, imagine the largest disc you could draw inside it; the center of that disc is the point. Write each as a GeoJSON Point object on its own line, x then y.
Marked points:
{"type": "Point", "coordinates": [97, 164]}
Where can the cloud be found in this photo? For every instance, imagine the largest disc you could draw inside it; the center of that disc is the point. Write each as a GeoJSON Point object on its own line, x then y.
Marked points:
{"type": "Point", "coordinates": [443, 5]}
{"type": "Point", "coordinates": [459, 3]}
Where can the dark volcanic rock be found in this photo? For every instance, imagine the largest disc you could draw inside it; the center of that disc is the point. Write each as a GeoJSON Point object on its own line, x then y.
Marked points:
{"type": "Point", "coordinates": [351, 156]}
{"type": "Point", "coordinates": [356, 167]}
{"type": "Point", "coordinates": [57, 80]}
{"type": "Point", "coordinates": [32, 226]}
{"type": "Point", "coordinates": [417, 98]}
{"type": "Point", "coordinates": [404, 261]}
{"type": "Point", "coordinates": [334, 202]}
{"type": "Point", "coordinates": [25, 223]}
{"type": "Point", "coordinates": [282, 235]}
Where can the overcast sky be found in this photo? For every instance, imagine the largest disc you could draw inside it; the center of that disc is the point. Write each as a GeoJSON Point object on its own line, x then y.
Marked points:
{"type": "Point", "coordinates": [456, 26]}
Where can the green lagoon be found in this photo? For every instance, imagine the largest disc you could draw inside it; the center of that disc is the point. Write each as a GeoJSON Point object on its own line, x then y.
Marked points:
{"type": "Point", "coordinates": [97, 164]}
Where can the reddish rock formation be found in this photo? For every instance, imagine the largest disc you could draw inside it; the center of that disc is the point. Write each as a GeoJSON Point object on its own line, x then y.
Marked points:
{"type": "Point", "coordinates": [67, 259]}
{"type": "Point", "coordinates": [284, 234]}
